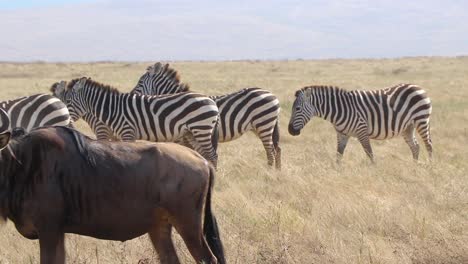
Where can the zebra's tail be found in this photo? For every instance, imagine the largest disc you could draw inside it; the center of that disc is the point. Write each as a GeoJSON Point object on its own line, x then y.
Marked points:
{"type": "Point", "coordinates": [276, 139]}
{"type": "Point", "coordinates": [215, 136]}
{"type": "Point", "coordinates": [210, 227]}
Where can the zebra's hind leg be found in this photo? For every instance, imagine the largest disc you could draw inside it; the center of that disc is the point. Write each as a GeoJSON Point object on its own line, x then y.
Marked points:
{"type": "Point", "coordinates": [363, 138]}
{"type": "Point", "coordinates": [342, 141]}
{"type": "Point", "coordinates": [267, 141]}
{"type": "Point", "coordinates": [277, 149]}
{"type": "Point", "coordinates": [410, 139]}
{"type": "Point", "coordinates": [424, 131]}
{"type": "Point", "coordinates": [202, 143]}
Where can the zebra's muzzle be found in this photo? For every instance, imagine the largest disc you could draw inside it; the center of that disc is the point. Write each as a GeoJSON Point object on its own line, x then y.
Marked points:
{"type": "Point", "coordinates": [293, 131]}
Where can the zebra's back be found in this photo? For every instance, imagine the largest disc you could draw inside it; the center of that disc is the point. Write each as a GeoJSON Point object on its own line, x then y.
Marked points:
{"type": "Point", "coordinates": [35, 111]}
{"type": "Point", "coordinates": [391, 110]}
{"type": "Point", "coordinates": [244, 110]}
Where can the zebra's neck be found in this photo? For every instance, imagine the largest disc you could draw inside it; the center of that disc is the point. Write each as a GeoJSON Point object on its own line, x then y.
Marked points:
{"type": "Point", "coordinates": [105, 104]}
{"type": "Point", "coordinates": [332, 103]}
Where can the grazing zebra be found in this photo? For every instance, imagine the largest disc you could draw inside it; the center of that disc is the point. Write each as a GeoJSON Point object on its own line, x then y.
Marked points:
{"type": "Point", "coordinates": [380, 114]}
{"type": "Point", "coordinates": [35, 111]}
{"type": "Point", "coordinates": [153, 118]}
{"type": "Point", "coordinates": [100, 129]}
{"type": "Point", "coordinates": [248, 109]}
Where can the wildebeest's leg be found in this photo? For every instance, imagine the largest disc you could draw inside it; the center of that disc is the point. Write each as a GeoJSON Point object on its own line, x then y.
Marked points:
{"type": "Point", "coordinates": [363, 138]}
{"type": "Point", "coordinates": [52, 248]}
{"type": "Point", "coordinates": [410, 139]}
{"type": "Point", "coordinates": [192, 234]}
{"type": "Point", "coordinates": [342, 141]}
{"type": "Point", "coordinates": [160, 236]}
{"type": "Point", "coordinates": [188, 222]}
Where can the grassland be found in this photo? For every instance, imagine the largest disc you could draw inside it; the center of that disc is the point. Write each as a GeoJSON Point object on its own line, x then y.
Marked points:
{"type": "Point", "coordinates": [313, 211]}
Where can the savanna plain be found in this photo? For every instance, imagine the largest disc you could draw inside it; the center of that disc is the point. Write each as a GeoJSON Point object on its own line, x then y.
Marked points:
{"type": "Point", "coordinates": [312, 211]}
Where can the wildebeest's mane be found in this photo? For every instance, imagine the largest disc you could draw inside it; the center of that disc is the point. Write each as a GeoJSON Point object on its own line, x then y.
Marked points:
{"type": "Point", "coordinates": [34, 161]}
{"type": "Point", "coordinates": [21, 169]}
{"type": "Point", "coordinates": [94, 85]}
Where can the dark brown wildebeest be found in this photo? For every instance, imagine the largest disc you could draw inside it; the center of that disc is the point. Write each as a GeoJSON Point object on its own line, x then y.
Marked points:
{"type": "Point", "coordinates": [54, 180]}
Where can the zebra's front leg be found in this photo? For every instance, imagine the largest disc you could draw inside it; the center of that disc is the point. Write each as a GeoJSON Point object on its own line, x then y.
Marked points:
{"type": "Point", "coordinates": [342, 141]}
{"type": "Point", "coordinates": [363, 138]}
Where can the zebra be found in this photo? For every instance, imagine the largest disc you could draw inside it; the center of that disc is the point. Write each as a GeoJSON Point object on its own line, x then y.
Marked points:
{"type": "Point", "coordinates": [100, 129]}
{"type": "Point", "coordinates": [37, 110]}
{"type": "Point", "coordinates": [250, 109]}
{"type": "Point", "coordinates": [160, 79]}
{"type": "Point", "coordinates": [153, 118]}
{"type": "Point", "coordinates": [379, 114]}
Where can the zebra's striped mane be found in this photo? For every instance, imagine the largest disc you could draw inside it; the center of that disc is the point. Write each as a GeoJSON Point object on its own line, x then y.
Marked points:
{"type": "Point", "coordinates": [319, 88]}
{"type": "Point", "coordinates": [94, 85]}
{"type": "Point", "coordinates": [169, 74]}
{"type": "Point", "coordinates": [53, 88]}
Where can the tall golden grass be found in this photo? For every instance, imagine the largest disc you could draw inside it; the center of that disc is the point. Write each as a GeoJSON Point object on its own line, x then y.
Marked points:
{"type": "Point", "coordinates": [312, 211]}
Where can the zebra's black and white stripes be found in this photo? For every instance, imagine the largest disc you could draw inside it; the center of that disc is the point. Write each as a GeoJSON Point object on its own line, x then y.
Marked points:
{"type": "Point", "coordinates": [250, 109]}
{"type": "Point", "coordinates": [160, 79]}
{"type": "Point", "coordinates": [154, 118]}
{"type": "Point", "coordinates": [36, 111]}
{"type": "Point", "coordinates": [100, 129]}
{"type": "Point", "coordinates": [379, 114]}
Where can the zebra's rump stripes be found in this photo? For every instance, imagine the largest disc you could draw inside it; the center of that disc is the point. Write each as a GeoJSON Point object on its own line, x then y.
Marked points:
{"type": "Point", "coordinates": [247, 109]}
{"type": "Point", "coordinates": [36, 111]}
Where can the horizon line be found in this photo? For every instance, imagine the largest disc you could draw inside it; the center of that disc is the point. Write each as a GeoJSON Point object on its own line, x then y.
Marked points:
{"type": "Point", "coordinates": [226, 60]}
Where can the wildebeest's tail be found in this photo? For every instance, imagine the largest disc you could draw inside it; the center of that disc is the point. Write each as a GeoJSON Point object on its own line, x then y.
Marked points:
{"type": "Point", "coordinates": [210, 227]}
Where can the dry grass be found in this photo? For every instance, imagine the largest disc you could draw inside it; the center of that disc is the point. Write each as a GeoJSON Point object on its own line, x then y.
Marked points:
{"type": "Point", "coordinates": [312, 211]}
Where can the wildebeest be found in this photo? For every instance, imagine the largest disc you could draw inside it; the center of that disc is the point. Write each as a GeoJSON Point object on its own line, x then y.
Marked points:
{"type": "Point", "coordinates": [54, 180]}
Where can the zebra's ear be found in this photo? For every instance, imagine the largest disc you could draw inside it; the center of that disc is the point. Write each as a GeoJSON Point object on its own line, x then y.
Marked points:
{"type": "Point", "coordinates": [59, 87]}
{"type": "Point", "coordinates": [79, 84]}
{"type": "Point", "coordinates": [307, 92]}
{"type": "Point", "coordinates": [153, 69]}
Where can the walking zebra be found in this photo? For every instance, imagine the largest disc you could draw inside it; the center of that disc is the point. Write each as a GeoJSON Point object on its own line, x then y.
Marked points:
{"type": "Point", "coordinates": [154, 118]}
{"type": "Point", "coordinates": [35, 111]}
{"type": "Point", "coordinates": [379, 114]}
{"type": "Point", "coordinates": [245, 110]}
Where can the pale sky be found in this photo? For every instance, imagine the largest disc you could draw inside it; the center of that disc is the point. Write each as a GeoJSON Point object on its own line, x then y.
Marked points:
{"type": "Point", "coordinates": [144, 30]}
